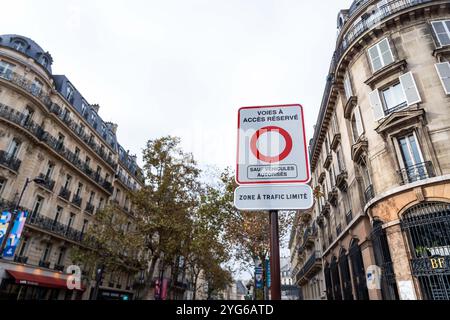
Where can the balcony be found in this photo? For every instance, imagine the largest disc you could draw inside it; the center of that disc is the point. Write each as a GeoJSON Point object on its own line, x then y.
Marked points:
{"type": "Point", "coordinates": [59, 267]}
{"type": "Point", "coordinates": [415, 173]}
{"type": "Point", "coordinates": [9, 161]}
{"type": "Point", "coordinates": [328, 160]}
{"type": "Point", "coordinates": [44, 264]}
{"type": "Point", "coordinates": [341, 180]}
{"type": "Point", "coordinates": [77, 200]}
{"type": "Point", "coordinates": [348, 217]}
{"type": "Point", "coordinates": [48, 183]}
{"type": "Point", "coordinates": [308, 238]}
{"type": "Point", "coordinates": [333, 196]}
{"type": "Point", "coordinates": [55, 227]}
{"type": "Point", "coordinates": [57, 145]}
{"type": "Point", "coordinates": [64, 193]}
{"type": "Point", "coordinates": [325, 212]}
{"type": "Point", "coordinates": [369, 194]}
{"type": "Point", "coordinates": [311, 267]}
{"type": "Point", "coordinates": [21, 259]}
{"type": "Point", "coordinates": [89, 208]}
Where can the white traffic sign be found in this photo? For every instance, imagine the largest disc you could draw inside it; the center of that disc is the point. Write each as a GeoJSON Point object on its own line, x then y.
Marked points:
{"type": "Point", "coordinates": [273, 197]}
{"type": "Point", "coordinates": [272, 145]}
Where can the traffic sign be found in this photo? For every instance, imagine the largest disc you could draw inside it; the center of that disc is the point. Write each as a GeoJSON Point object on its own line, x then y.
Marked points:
{"type": "Point", "coordinates": [273, 197]}
{"type": "Point", "coordinates": [272, 145]}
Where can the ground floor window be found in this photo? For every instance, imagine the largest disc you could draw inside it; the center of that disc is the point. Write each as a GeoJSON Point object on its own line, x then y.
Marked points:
{"type": "Point", "coordinates": [427, 226]}
{"type": "Point", "coordinates": [358, 271]}
{"type": "Point", "coordinates": [336, 280]}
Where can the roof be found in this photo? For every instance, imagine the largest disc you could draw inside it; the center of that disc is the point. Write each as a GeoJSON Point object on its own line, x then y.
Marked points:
{"type": "Point", "coordinates": [31, 49]}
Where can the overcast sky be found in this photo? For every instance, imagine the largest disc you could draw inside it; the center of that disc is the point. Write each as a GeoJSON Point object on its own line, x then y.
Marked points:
{"type": "Point", "coordinates": [184, 67]}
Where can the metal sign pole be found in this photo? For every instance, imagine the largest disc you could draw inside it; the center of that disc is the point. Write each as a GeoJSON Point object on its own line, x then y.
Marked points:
{"type": "Point", "coordinates": [275, 286]}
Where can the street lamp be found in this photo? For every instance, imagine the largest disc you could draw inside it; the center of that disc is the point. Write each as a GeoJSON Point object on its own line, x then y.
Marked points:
{"type": "Point", "coordinates": [14, 213]}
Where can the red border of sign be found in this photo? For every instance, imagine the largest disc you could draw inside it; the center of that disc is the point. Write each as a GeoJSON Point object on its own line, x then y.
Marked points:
{"type": "Point", "coordinates": [308, 173]}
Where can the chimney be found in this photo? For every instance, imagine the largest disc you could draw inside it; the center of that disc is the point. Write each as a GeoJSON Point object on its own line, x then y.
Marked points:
{"type": "Point", "coordinates": [95, 107]}
{"type": "Point", "coordinates": [112, 127]}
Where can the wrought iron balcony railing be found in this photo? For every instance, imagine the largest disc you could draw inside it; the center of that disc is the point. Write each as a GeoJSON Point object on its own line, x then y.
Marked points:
{"type": "Point", "coordinates": [77, 200]}
{"type": "Point", "coordinates": [20, 259]}
{"type": "Point", "coordinates": [64, 193]}
{"type": "Point", "coordinates": [31, 88]}
{"type": "Point", "coordinates": [55, 227]}
{"type": "Point", "coordinates": [44, 264]}
{"type": "Point", "coordinates": [9, 161]}
{"type": "Point", "coordinates": [47, 183]}
{"type": "Point", "coordinates": [312, 264]}
{"type": "Point", "coordinates": [52, 142]}
{"type": "Point", "coordinates": [89, 208]}
{"type": "Point", "coordinates": [417, 172]}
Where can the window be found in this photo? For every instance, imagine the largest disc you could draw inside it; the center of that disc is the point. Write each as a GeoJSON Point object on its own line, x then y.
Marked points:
{"type": "Point", "coordinates": [88, 161]}
{"type": "Point", "coordinates": [79, 189]}
{"type": "Point", "coordinates": [71, 220]}
{"type": "Point", "coordinates": [60, 140]}
{"type": "Point", "coordinates": [47, 251]}
{"type": "Point", "coordinates": [13, 148]}
{"type": "Point", "coordinates": [70, 91]}
{"type": "Point", "coordinates": [49, 170]}
{"type": "Point", "coordinates": [44, 61]}
{"type": "Point", "coordinates": [391, 99]}
{"type": "Point", "coordinates": [442, 32]}
{"type": "Point", "coordinates": [85, 225]}
{"type": "Point", "coordinates": [100, 203]}
{"type": "Point", "coordinates": [118, 195]}
{"type": "Point", "coordinates": [28, 114]}
{"type": "Point", "coordinates": [62, 253]}
{"type": "Point", "coordinates": [2, 185]}
{"type": "Point", "coordinates": [77, 153]}
{"type": "Point", "coordinates": [443, 70]}
{"type": "Point", "coordinates": [37, 206]}
{"type": "Point", "coordinates": [340, 161]}
{"type": "Point", "coordinates": [83, 107]}
{"type": "Point", "coordinates": [357, 127]}
{"type": "Point", "coordinates": [380, 55]}
{"type": "Point", "coordinates": [65, 114]}
{"type": "Point", "coordinates": [107, 176]}
{"type": "Point", "coordinates": [58, 214]}
{"type": "Point", "coordinates": [19, 45]}
{"type": "Point", "coordinates": [348, 86]}
{"type": "Point", "coordinates": [410, 151]}
{"type": "Point", "coordinates": [36, 87]}
{"type": "Point", "coordinates": [68, 180]}
{"type": "Point", "coordinates": [91, 197]}
{"type": "Point", "coordinates": [99, 171]}
{"type": "Point", "coordinates": [5, 70]}
{"type": "Point", "coordinates": [23, 247]}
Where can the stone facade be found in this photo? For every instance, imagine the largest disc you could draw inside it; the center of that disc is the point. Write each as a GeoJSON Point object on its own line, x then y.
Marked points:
{"type": "Point", "coordinates": [48, 130]}
{"type": "Point", "coordinates": [380, 154]}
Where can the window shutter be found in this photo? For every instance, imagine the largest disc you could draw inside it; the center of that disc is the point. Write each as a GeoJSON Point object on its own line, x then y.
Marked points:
{"type": "Point", "coordinates": [358, 120]}
{"type": "Point", "coordinates": [377, 107]}
{"type": "Point", "coordinates": [443, 70]}
{"type": "Point", "coordinates": [441, 31]}
{"type": "Point", "coordinates": [347, 86]}
{"type": "Point", "coordinates": [386, 52]}
{"type": "Point", "coordinates": [375, 58]}
{"type": "Point", "coordinates": [410, 88]}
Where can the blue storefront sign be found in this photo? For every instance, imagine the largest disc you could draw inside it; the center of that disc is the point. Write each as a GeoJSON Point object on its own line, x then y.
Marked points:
{"type": "Point", "coordinates": [14, 237]}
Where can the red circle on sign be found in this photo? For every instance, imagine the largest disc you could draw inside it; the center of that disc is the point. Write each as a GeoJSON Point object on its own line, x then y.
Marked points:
{"type": "Point", "coordinates": [287, 137]}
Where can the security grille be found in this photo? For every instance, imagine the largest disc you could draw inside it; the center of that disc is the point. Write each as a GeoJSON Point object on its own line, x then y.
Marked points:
{"type": "Point", "coordinates": [427, 226]}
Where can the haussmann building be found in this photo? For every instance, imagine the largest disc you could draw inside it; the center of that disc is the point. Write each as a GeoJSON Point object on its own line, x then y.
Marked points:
{"type": "Point", "coordinates": [380, 159]}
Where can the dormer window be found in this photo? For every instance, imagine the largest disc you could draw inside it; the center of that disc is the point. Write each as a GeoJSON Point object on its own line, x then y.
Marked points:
{"type": "Point", "coordinates": [44, 62]}
{"type": "Point", "coordinates": [70, 93]}
{"type": "Point", "coordinates": [83, 107]}
{"type": "Point", "coordinates": [19, 45]}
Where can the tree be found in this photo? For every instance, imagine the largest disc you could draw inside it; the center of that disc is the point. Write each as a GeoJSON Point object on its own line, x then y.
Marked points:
{"type": "Point", "coordinates": [165, 205]}
{"type": "Point", "coordinates": [112, 243]}
{"type": "Point", "coordinates": [248, 232]}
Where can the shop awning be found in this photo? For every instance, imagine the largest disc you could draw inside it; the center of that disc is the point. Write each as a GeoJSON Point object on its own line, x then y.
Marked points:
{"type": "Point", "coordinates": [32, 279]}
